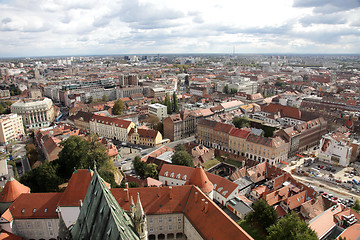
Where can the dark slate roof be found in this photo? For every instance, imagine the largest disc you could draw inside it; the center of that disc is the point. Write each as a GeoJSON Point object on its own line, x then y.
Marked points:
{"type": "Point", "coordinates": [101, 217]}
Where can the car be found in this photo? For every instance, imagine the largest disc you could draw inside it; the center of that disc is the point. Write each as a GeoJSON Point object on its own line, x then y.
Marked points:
{"type": "Point", "coordinates": [351, 175]}
{"type": "Point", "coordinates": [333, 170]}
{"type": "Point", "coordinates": [346, 174]}
{"type": "Point", "coordinates": [321, 167]}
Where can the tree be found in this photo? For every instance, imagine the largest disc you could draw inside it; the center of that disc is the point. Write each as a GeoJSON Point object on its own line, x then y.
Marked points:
{"type": "Point", "coordinates": [82, 153]}
{"type": "Point", "coordinates": [43, 178]}
{"type": "Point", "coordinates": [291, 228]}
{"type": "Point", "coordinates": [179, 147]}
{"type": "Point", "coordinates": [241, 122]}
{"type": "Point", "coordinates": [182, 158]}
{"type": "Point", "coordinates": [356, 205]}
{"type": "Point", "coordinates": [175, 103]}
{"type": "Point", "coordinates": [105, 98]}
{"type": "Point", "coordinates": [139, 166]}
{"type": "Point", "coordinates": [263, 214]}
{"type": "Point", "coordinates": [233, 90]}
{"type": "Point", "coordinates": [151, 171]}
{"type": "Point", "coordinates": [108, 177]}
{"type": "Point", "coordinates": [31, 153]}
{"type": "Point", "coordinates": [152, 120]}
{"type": "Point", "coordinates": [118, 107]}
{"type": "Point", "coordinates": [91, 99]}
{"type": "Point", "coordinates": [186, 80]}
{"type": "Point", "coordinates": [167, 103]}
{"type": "Point", "coordinates": [226, 89]}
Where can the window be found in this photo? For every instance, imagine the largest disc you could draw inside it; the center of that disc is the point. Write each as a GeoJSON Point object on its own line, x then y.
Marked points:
{"type": "Point", "coordinates": [150, 220]}
{"type": "Point", "coordinates": [179, 219]}
{"type": "Point", "coordinates": [170, 219]}
{"type": "Point", "coordinates": [160, 219]}
{"type": "Point", "coordinates": [151, 229]}
{"type": "Point", "coordinates": [170, 227]}
{"type": "Point", "coordinates": [160, 228]}
{"type": "Point", "coordinates": [179, 227]}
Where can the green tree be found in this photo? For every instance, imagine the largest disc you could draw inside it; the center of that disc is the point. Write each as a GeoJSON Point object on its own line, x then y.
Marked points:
{"type": "Point", "coordinates": [108, 177]}
{"type": "Point", "coordinates": [263, 214]}
{"type": "Point", "coordinates": [105, 98]}
{"type": "Point", "coordinates": [82, 153]}
{"type": "Point", "coordinates": [42, 179]}
{"type": "Point", "coordinates": [226, 89]}
{"type": "Point", "coordinates": [175, 104]}
{"type": "Point", "coordinates": [187, 80]}
{"type": "Point", "coordinates": [356, 205]}
{"type": "Point", "coordinates": [291, 228]}
{"type": "Point", "coordinates": [182, 158]}
{"type": "Point", "coordinates": [167, 103]}
{"type": "Point", "coordinates": [118, 107]}
{"type": "Point", "coordinates": [233, 90]}
{"type": "Point", "coordinates": [139, 166]}
{"type": "Point", "coordinates": [91, 99]}
{"type": "Point", "coordinates": [241, 122]}
{"type": "Point", "coordinates": [151, 171]}
{"type": "Point", "coordinates": [179, 147]}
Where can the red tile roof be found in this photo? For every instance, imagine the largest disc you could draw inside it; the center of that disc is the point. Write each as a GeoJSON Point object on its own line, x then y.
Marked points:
{"type": "Point", "coordinates": [284, 110]}
{"type": "Point", "coordinates": [35, 205]}
{"type": "Point", "coordinates": [351, 233]}
{"type": "Point", "coordinates": [7, 216]}
{"type": "Point", "coordinates": [240, 133]}
{"type": "Point", "coordinates": [145, 133]}
{"type": "Point", "coordinates": [199, 179]}
{"type": "Point", "coordinates": [111, 121]}
{"type": "Point", "coordinates": [76, 189]}
{"type": "Point", "coordinates": [5, 235]}
{"type": "Point", "coordinates": [181, 199]}
{"type": "Point", "coordinates": [12, 190]}
{"type": "Point", "coordinates": [223, 127]}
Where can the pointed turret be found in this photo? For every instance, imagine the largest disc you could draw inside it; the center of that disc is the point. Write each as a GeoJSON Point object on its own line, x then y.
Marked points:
{"type": "Point", "coordinates": [132, 208]}
{"type": "Point", "coordinates": [200, 179]}
{"type": "Point", "coordinates": [140, 220]}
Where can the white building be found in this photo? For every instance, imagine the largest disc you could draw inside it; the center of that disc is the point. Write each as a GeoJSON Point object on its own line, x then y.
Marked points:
{"type": "Point", "coordinates": [334, 149]}
{"type": "Point", "coordinates": [158, 110]}
{"type": "Point", "coordinates": [36, 113]}
{"type": "Point", "coordinates": [113, 128]}
{"type": "Point", "coordinates": [11, 127]}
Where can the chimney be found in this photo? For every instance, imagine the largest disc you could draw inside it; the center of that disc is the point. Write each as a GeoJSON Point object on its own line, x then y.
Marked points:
{"type": "Point", "coordinates": [126, 194]}
{"type": "Point", "coordinates": [170, 192]}
{"type": "Point", "coordinates": [206, 207]}
{"type": "Point", "coordinates": [202, 204]}
{"type": "Point", "coordinates": [126, 185]}
{"type": "Point", "coordinates": [196, 196]}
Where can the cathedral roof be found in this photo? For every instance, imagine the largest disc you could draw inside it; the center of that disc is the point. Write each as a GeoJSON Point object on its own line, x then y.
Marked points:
{"type": "Point", "coordinates": [12, 190]}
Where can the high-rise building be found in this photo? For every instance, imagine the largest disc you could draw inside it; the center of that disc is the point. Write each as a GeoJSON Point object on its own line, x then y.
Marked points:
{"type": "Point", "coordinates": [11, 127]}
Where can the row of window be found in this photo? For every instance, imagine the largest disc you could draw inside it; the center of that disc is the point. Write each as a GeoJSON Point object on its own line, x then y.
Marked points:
{"type": "Point", "coordinates": [161, 219]}
{"type": "Point", "coordinates": [161, 228]}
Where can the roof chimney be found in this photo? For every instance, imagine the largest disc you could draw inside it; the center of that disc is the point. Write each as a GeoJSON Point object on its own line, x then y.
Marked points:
{"type": "Point", "coordinates": [126, 194]}
{"type": "Point", "coordinates": [170, 192]}
{"type": "Point", "coordinates": [196, 196]}
{"type": "Point", "coordinates": [202, 204]}
{"type": "Point", "coordinates": [206, 207]}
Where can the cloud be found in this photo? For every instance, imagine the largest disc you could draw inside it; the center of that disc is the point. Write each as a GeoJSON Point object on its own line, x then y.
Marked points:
{"type": "Point", "coordinates": [330, 19]}
{"type": "Point", "coordinates": [327, 6]}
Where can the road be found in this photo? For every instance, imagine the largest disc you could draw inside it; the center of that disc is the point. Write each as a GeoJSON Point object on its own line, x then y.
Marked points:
{"type": "Point", "coordinates": [320, 185]}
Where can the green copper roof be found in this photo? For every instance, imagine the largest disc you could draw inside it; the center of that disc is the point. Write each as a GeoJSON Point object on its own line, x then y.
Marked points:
{"type": "Point", "coordinates": [101, 217]}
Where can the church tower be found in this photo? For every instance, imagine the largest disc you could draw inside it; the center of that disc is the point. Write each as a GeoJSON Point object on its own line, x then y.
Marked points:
{"type": "Point", "coordinates": [140, 220]}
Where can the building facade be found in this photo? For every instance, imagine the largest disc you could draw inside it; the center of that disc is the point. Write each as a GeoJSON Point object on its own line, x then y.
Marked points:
{"type": "Point", "coordinates": [109, 127]}
{"type": "Point", "coordinates": [179, 126]}
{"type": "Point", "coordinates": [36, 113]}
{"type": "Point", "coordinates": [335, 149]}
{"type": "Point", "coordinates": [11, 127]}
{"type": "Point", "coordinates": [158, 110]}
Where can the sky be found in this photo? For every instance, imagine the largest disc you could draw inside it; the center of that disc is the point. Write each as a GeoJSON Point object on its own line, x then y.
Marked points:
{"type": "Point", "coordinates": [101, 27]}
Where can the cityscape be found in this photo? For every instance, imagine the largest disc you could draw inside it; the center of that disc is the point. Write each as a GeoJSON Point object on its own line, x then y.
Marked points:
{"type": "Point", "coordinates": [147, 120]}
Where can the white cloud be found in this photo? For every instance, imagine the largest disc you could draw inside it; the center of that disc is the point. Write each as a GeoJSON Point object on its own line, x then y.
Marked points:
{"type": "Point", "coordinates": [70, 27]}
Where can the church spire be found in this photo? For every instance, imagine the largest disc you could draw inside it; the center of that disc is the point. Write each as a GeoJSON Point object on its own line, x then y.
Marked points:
{"type": "Point", "coordinates": [132, 208]}
{"type": "Point", "coordinates": [140, 220]}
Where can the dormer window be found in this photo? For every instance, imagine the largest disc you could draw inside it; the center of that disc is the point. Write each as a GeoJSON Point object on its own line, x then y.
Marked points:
{"type": "Point", "coordinates": [178, 176]}
{"type": "Point", "coordinates": [34, 210]}
{"type": "Point", "coordinates": [184, 177]}
{"type": "Point", "coordinates": [23, 210]}
{"type": "Point", "coordinates": [172, 174]}
{"type": "Point", "coordinates": [166, 173]}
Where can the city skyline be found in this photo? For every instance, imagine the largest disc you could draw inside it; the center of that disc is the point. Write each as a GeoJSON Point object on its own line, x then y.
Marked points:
{"type": "Point", "coordinates": [48, 28]}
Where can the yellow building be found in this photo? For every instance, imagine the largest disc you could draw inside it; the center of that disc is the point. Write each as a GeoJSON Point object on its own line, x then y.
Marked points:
{"type": "Point", "coordinates": [147, 137]}
{"type": "Point", "coordinates": [109, 127]}
{"type": "Point", "coordinates": [264, 149]}
{"type": "Point", "coordinates": [11, 127]}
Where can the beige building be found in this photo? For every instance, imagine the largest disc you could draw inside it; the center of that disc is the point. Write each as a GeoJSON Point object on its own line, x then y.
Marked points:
{"type": "Point", "coordinates": [109, 127]}
{"type": "Point", "coordinates": [147, 137]}
{"type": "Point", "coordinates": [263, 149]}
{"type": "Point", "coordinates": [11, 127]}
{"type": "Point", "coordinates": [36, 113]}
